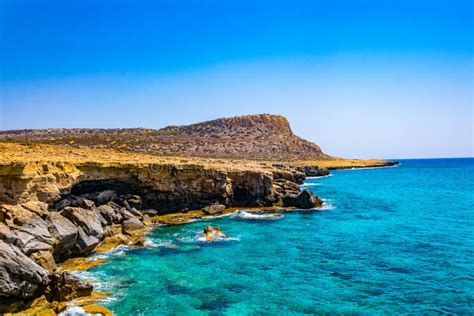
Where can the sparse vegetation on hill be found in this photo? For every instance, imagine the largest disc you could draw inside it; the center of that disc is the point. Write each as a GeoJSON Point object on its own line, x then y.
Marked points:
{"type": "Point", "coordinates": [264, 136]}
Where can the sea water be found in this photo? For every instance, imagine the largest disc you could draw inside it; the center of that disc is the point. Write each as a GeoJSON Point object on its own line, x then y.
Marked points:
{"type": "Point", "coordinates": [390, 241]}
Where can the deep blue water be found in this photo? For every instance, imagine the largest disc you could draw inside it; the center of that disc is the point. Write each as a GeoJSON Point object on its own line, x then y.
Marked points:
{"type": "Point", "coordinates": [397, 241]}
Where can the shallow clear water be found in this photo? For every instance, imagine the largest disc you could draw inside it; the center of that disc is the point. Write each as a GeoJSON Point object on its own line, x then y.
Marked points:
{"type": "Point", "coordinates": [399, 240]}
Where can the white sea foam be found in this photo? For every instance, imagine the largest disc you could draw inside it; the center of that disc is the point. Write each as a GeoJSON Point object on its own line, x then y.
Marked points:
{"type": "Point", "coordinates": [116, 252]}
{"type": "Point", "coordinates": [310, 185]}
{"type": "Point", "coordinates": [160, 244]}
{"type": "Point", "coordinates": [73, 311]}
{"type": "Point", "coordinates": [366, 168]}
{"type": "Point", "coordinates": [253, 216]}
{"type": "Point", "coordinates": [327, 207]}
{"type": "Point", "coordinates": [319, 177]}
{"type": "Point", "coordinates": [201, 238]}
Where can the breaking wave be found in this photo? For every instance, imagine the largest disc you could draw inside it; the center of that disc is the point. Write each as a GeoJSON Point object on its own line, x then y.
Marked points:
{"type": "Point", "coordinates": [253, 216]}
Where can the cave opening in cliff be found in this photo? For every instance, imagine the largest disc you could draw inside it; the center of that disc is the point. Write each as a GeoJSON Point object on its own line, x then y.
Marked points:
{"type": "Point", "coordinates": [141, 197]}
{"type": "Point", "coordinates": [95, 186]}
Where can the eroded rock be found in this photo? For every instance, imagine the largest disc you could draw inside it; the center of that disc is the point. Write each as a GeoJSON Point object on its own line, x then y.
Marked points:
{"type": "Point", "coordinates": [44, 259]}
{"type": "Point", "coordinates": [211, 233]}
{"type": "Point", "coordinates": [20, 277]}
{"type": "Point", "coordinates": [88, 220]}
{"type": "Point", "coordinates": [214, 209]}
{"type": "Point", "coordinates": [85, 243]}
{"type": "Point", "coordinates": [65, 287]}
{"type": "Point", "coordinates": [305, 200]}
{"type": "Point", "coordinates": [64, 231]}
{"type": "Point", "coordinates": [131, 225]}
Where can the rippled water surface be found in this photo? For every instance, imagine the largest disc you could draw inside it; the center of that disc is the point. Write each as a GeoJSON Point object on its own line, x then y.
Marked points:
{"type": "Point", "coordinates": [398, 240]}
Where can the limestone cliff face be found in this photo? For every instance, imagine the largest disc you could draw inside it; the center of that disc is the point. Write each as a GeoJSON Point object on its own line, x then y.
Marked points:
{"type": "Point", "coordinates": [168, 186]}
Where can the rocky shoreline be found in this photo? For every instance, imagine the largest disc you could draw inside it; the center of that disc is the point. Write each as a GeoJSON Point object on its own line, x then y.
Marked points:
{"type": "Point", "coordinates": [59, 205]}
{"type": "Point", "coordinates": [52, 211]}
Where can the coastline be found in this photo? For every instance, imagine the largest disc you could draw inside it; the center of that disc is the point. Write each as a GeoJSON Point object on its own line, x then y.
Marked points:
{"type": "Point", "coordinates": [38, 180]}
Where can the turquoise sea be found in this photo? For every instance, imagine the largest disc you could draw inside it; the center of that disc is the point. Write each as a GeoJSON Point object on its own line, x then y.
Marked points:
{"type": "Point", "coordinates": [394, 240]}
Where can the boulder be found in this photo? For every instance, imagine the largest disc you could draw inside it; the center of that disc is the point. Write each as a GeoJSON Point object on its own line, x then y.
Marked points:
{"type": "Point", "coordinates": [112, 230]}
{"type": "Point", "coordinates": [44, 259]}
{"type": "Point", "coordinates": [63, 230]}
{"type": "Point", "coordinates": [20, 277]}
{"type": "Point", "coordinates": [110, 214]}
{"type": "Point", "coordinates": [146, 220]}
{"type": "Point", "coordinates": [151, 212]}
{"type": "Point", "coordinates": [131, 225]}
{"type": "Point", "coordinates": [29, 243]}
{"type": "Point", "coordinates": [85, 243]}
{"type": "Point", "coordinates": [125, 213]}
{"type": "Point", "coordinates": [88, 220]}
{"type": "Point", "coordinates": [102, 219]}
{"type": "Point", "coordinates": [132, 210]}
{"type": "Point", "coordinates": [66, 286]}
{"type": "Point", "coordinates": [70, 200]}
{"type": "Point", "coordinates": [135, 201]}
{"type": "Point", "coordinates": [105, 197]}
{"type": "Point", "coordinates": [30, 228]}
{"type": "Point", "coordinates": [305, 200]}
{"type": "Point", "coordinates": [213, 209]}
{"type": "Point", "coordinates": [7, 235]}
{"type": "Point", "coordinates": [87, 204]}
{"type": "Point", "coordinates": [212, 233]}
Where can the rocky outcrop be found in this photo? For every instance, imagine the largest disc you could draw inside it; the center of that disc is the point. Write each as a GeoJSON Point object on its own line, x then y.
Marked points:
{"type": "Point", "coordinates": [65, 287]}
{"type": "Point", "coordinates": [213, 209]}
{"type": "Point", "coordinates": [33, 237]}
{"type": "Point", "coordinates": [212, 233]}
{"type": "Point", "coordinates": [52, 210]}
{"type": "Point", "coordinates": [313, 171]}
{"type": "Point", "coordinates": [305, 200]}
{"type": "Point", "coordinates": [20, 277]}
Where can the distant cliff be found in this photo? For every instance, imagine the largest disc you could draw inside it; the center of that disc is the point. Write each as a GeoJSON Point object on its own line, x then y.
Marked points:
{"type": "Point", "coordinates": [262, 136]}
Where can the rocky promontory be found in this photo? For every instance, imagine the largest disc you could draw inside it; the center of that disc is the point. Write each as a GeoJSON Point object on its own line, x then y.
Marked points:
{"type": "Point", "coordinates": [58, 203]}
{"type": "Point", "coordinates": [67, 193]}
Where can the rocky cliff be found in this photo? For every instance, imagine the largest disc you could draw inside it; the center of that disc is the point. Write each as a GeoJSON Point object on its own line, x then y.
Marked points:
{"type": "Point", "coordinates": [263, 136]}
{"type": "Point", "coordinates": [60, 202]}
{"type": "Point", "coordinates": [65, 201]}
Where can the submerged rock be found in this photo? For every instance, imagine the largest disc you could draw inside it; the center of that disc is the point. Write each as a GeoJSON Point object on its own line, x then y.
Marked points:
{"type": "Point", "coordinates": [212, 233]}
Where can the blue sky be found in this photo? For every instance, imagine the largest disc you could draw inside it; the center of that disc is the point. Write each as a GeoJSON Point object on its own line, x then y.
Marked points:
{"type": "Point", "coordinates": [361, 78]}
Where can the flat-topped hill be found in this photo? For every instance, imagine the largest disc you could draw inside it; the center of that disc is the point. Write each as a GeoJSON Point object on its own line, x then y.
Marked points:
{"type": "Point", "coordinates": [262, 136]}
{"type": "Point", "coordinates": [247, 125]}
